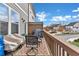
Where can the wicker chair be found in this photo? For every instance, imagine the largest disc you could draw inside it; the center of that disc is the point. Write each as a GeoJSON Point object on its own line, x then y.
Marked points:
{"type": "Point", "coordinates": [32, 43]}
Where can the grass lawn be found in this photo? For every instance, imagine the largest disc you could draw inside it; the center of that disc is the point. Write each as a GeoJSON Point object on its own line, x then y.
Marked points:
{"type": "Point", "coordinates": [75, 43]}
{"type": "Point", "coordinates": [68, 32]}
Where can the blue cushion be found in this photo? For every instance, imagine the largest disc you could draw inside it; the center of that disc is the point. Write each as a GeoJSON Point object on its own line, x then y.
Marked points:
{"type": "Point", "coordinates": [1, 45]}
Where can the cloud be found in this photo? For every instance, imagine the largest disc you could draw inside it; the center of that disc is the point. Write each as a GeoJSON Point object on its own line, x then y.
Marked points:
{"type": "Point", "coordinates": [67, 16]}
{"type": "Point", "coordinates": [61, 18]}
{"type": "Point", "coordinates": [75, 16]}
{"type": "Point", "coordinates": [4, 18]}
{"type": "Point", "coordinates": [41, 16]}
{"type": "Point", "coordinates": [3, 9]}
{"type": "Point", "coordinates": [78, 15]}
{"type": "Point", "coordinates": [15, 18]}
{"type": "Point", "coordinates": [77, 10]}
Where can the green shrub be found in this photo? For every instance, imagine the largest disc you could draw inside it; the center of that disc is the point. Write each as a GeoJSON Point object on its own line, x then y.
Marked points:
{"type": "Point", "coordinates": [76, 40]}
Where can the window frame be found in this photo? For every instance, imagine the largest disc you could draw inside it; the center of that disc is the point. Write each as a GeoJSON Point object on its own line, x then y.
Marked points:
{"type": "Point", "coordinates": [9, 18]}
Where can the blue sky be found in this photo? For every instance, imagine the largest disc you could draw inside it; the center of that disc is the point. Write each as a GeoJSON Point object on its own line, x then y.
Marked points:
{"type": "Point", "coordinates": [51, 13]}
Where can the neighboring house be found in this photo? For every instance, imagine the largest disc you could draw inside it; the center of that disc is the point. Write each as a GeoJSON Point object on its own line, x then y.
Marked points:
{"type": "Point", "coordinates": [68, 28]}
{"type": "Point", "coordinates": [47, 28]}
{"type": "Point", "coordinates": [74, 26]}
{"type": "Point", "coordinates": [16, 13]}
{"type": "Point", "coordinates": [61, 28]}
{"type": "Point", "coordinates": [57, 27]}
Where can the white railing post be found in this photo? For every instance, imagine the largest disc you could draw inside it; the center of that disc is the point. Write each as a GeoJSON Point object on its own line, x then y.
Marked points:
{"type": "Point", "coordinates": [9, 22]}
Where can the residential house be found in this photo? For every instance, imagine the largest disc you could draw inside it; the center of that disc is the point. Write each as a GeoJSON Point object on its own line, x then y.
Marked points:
{"type": "Point", "coordinates": [57, 27]}
{"type": "Point", "coordinates": [61, 28]}
{"type": "Point", "coordinates": [73, 27]}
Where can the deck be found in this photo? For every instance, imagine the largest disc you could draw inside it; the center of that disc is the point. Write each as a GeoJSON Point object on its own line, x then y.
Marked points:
{"type": "Point", "coordinates": [51, 45]}
{"type": "Point", "coordinates": [42, 50]}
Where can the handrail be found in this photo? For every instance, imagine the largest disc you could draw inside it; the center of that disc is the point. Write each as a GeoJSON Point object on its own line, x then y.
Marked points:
{"type": "Point", "coordinates": [59, 47]}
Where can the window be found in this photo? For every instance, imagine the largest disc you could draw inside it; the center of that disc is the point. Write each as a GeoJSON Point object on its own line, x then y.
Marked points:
{"type": "Point", "coordinates": [4, 19]}
{"type": "Point", "coordinates": [14, 21]}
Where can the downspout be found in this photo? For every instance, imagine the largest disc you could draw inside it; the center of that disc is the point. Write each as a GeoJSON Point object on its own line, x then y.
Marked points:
{"type": "Point", "coordinates": [27, 23]}
{"type": "Point", "coordinates": [28, 19]}
{"type": "Point", "coordinates": [9, 24]}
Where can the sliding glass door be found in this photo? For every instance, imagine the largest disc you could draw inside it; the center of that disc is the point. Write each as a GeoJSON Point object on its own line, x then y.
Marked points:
{"type": "Point", "coordinates": [14, 22]}
{"type": "Point", "coordinates": [4, 19]}
{"type": "Point", "coordinates": [9, 20]}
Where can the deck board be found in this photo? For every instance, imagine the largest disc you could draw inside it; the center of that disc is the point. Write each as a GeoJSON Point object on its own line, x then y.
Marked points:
{"type": "Point", "coordinates": [42, 50]}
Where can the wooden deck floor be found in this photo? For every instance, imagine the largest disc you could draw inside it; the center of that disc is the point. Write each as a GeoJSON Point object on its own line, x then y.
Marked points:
{"type": "Point", "coordinates": [42, 50]}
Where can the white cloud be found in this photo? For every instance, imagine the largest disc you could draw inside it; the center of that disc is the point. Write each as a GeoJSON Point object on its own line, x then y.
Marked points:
{"type": "Point", "coordinates": [3, 18]}
{"type": "Point", "coordinates": [68, 16]}
{"type": "Point", "coordinates": [61, 18]}
{"type": "Point", "coordinates": [2, 12]}
{"type": "Point", "coordinates": [77, 19]}
{"type": "Point", "coordinates": [77, 10]}
{"type": "Point", "coordinates": [41, 16]}
{"type": "Point", "coordinates": [15, 18]}
{"type": "Point", "coordinates": [78, 15]}
{"type": "Point", "coordinates": [75, 16]}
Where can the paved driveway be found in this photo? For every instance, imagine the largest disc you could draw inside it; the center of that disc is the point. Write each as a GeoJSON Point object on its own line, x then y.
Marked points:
{"type": "Point", "coordinates": [68, 36]}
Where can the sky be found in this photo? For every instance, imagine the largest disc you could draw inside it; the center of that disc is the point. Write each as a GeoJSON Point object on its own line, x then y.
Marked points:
{"type": "Point", "coordinates": [3, 12]}
{"type": "Point", "coordinates": [55, 13]}
{"type": "Point", "coordinates": [48, 13]}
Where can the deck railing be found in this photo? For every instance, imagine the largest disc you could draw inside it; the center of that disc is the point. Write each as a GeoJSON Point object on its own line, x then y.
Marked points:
{"type": "Point", "coordinates": [59, 47]}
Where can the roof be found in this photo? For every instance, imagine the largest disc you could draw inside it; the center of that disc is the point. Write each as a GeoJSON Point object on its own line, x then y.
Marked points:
{"type": "Point", "coordinates": [54, 25]}
{"type": "Point", "coordinates": [71, 24]}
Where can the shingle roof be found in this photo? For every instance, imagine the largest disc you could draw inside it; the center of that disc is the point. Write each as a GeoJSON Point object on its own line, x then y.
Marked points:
{"type": "Point", "coordinates": [55, 25]}
{"type": "Point", "coordinates": [71, 24]}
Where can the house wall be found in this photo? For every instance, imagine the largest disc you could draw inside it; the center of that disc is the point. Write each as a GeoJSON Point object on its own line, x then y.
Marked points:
{"type": "Point", "coordinates": [76, 25]}
{"type": "Point", "coordinates": [68, 28]}
{"type": "Point", "coordinates": [22, 15]}
{"type": "Point", "coordinates": [31, 14]}
{"type": "Point", "coordinates": [61, 28]}
{"type": "Point", "coordinates": [74, 28]}
{"type": "Point", "coordinates": [22, 24]}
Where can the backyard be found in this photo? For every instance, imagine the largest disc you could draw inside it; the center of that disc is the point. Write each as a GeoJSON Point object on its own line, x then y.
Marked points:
{"type": "Point", "coordinates": [75, 42]}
